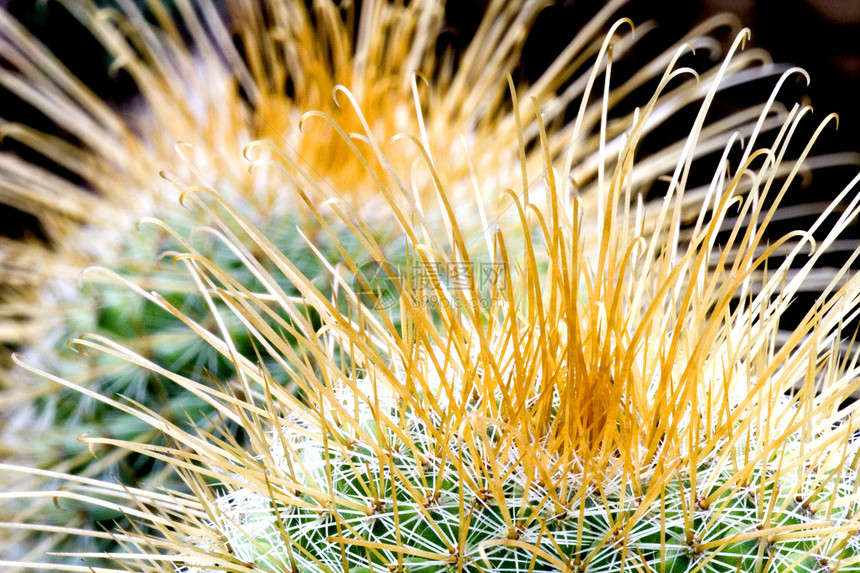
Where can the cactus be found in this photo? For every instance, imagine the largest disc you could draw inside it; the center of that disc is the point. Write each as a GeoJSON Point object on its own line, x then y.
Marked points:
{"type": "Point", "coordinates": [630, 398]}
{"type": "Point", "coordinates": [200, 104]}
{"type": "Point", "coordinates": [629, 409]}
{"type": "Point", "coordinates": [624, 399]}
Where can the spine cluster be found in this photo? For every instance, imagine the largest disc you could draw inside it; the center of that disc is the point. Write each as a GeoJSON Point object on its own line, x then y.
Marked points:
{"type": "Point", "coordinates": [426, 498]}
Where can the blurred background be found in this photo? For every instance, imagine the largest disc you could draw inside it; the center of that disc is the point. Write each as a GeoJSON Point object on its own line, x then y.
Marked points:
{"type": "Point", "coordinates": [822, 36]}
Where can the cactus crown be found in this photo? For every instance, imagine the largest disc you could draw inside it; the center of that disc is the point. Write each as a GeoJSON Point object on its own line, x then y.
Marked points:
{"type": "Point", "coordinates": [625, 408]}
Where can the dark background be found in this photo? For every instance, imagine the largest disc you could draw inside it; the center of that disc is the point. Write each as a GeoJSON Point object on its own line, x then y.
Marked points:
{"type": "Point", "coordinates": [823, 36]}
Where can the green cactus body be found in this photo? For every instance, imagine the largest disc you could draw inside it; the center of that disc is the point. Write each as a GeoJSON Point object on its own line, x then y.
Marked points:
{"type": "Point", "coordinates": [409, 501]}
